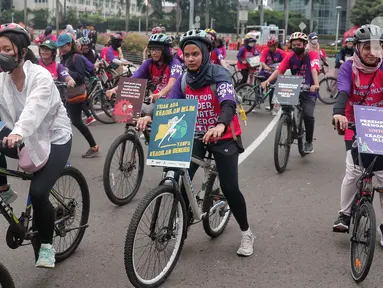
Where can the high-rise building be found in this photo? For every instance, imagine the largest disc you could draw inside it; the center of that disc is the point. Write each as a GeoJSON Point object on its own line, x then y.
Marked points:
{"type": "Point", "coordinates": [324, 14]}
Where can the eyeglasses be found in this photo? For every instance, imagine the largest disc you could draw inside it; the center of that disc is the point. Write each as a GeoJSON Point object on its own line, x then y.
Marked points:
{"type": "Point", "coordinates": [151, 50]}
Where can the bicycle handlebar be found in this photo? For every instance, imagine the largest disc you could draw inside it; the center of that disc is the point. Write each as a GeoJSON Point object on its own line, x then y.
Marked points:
{"type": "Point", "coordinates": [61, 84]}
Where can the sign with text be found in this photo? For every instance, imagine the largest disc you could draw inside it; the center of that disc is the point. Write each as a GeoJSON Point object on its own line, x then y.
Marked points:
{"type": "Point", "coordinates": [130, 96]}
{"type": "Point", "coordinates": [254, 61]}
{"type": "Point", "coordinates": [369, 129]}
{"type": "Point", "coordinates": [287, 89]}
{"type": "Point", "coordinates": [172, 134]}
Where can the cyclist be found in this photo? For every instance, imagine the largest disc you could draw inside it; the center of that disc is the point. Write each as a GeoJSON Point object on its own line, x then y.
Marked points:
{"type": "Point", "coordinates": [46, 35]}
{"type": "Point", "coordinates": [224, 128]}
{"type": "Point", "coordinates": [48, 53]}
{"type": "Point", "coordinates": [346, 52]}
{"type": "Point", "coordinates": [34, 114]}
{"type": "Point", "coordinates": [270, 56]}
{"type": "Point", "coordinates": [304, 64]}
{"type": "Point", "coordinates": [247, 51]}
{"type": "Point", "coordinates": [113, 54]}
{"type": "Point", "coordinates": [216, 56]}
{"type": "Point", "coordinates": [359, 82]}
{"type": "Point", "coordinates": [76, 66]}
{"type": "Point", "coordinates": [314, 46]}
{"type": "Point", "coordinates": [145, 54]}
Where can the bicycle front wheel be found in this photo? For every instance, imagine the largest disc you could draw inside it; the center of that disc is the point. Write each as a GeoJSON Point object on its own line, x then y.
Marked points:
{"type": "Point", "coordinates": [282, 143]}
{"type": "Point", "coordinates": [6, 280]}
{"type": "Point", "coordinates": [100, 108]}
{"type": "Point", "coordinates": [123, 163]}
{"type": "Point", "coordinates": [248, 95]}
{"type": "Point", "coordinates": [328, 90]}
{"type": "Point", "coordinates": [216, 208]}
{"type": "Point", "coordinates": [363, 241]}
{"type": "Point", "coordinates": [155, 237]}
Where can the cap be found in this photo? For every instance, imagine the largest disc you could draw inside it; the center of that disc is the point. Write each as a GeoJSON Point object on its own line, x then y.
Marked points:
{"type": "Point", "coordinates": [63, 40]}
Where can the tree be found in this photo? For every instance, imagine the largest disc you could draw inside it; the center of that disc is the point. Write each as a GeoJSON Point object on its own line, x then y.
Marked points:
{"type": "Point", "coordinates": [363, 12]}
{"type": "Point", "coordinates": [40, 18]}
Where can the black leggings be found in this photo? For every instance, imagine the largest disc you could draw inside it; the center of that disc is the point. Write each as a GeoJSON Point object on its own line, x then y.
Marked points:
{"type": "Point", "coordinates": [308, 105]}
{"type": "Point", "coordinates": [85, 108]}
{"type": "Point", "coordinates": [245, 75]}
{"type": "Point", "coordinates": [227, 168]}
{"type": "Point", "coordinates": [41, 184]}
{"type": "Point", "coordinates": [74, 111]}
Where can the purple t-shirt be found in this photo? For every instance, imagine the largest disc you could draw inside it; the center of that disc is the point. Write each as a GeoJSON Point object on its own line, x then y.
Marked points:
{"type": "Point", "coordinates": [244, 50]}
{"type": "Point", "coordinates": [144, 71]}
{"type": "Point", "coordinates": [89, 66]}
{"type": "Point", "coordinates": [62, 73]}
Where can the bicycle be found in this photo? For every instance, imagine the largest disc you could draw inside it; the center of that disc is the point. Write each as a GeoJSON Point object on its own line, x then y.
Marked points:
{"type": "Point", "coordinates": [328, 83]}
{"type": "Point", "coordinates": [237, 75]}
{"type": "Point", "coordinates": [122, 196]}
{"type": "Point", "coordinates": [174, 221]}
{"type": "Point", "coordinates": [291, 120]}
{"type": "Point", "coordinates": [362, 207]}
{"type": "Point", "coordinates": [6, 280]}
{"type": "Point", "coordinates": [65, 211]}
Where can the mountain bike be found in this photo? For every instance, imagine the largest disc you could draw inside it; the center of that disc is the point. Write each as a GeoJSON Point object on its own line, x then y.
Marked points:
{"type": "Point", "coordinates": [116, 171]}
{"type": "Point", "coordinates": [363, 215]}
{"type": "Point", "coordinates": [165, 228]}
{"type": "Point", "coordinates": [66, 208]}
{"type": "Point", "coordinates": [237, 75]}
{"type": "Point", "coordinates": [328, 84]}
{"type": "Point", "coordinates": [6, 280]}
{"type": "Point", "coordinates": [291, 127]}
{"type": "Point", "coordinates": [252, 95]}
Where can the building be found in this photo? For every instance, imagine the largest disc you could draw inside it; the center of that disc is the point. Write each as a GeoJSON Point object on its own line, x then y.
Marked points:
{"type": "Point", "coordinates": [324, 14]}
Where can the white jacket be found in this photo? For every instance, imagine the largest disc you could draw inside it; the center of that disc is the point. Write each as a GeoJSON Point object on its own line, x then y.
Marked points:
{"type": "Point", "coordinates": [42, 116]}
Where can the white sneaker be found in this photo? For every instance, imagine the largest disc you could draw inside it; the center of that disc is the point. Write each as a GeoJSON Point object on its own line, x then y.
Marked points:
{"type": "Point", "coordinates": [274, 113]}
{"type": "Point", "coordinates": [9, 196]}
{"type": "Point", "coordinates": [380, 230]}
{"type": "Point", "coordinates": [247, 243]}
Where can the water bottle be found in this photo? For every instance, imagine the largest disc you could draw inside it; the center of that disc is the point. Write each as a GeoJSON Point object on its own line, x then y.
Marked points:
{"type": "Point", "coordinates": [242, 114]}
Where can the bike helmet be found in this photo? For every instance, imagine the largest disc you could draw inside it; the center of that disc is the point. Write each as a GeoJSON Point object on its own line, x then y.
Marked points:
{"type": "Point", "coordinates": [367, 33]}
{"type": "Point", "coordinates": [196, 34]}
{"type": "Point", "coordinates": [116, 36]}
{"type": "Point", "coordinates": [156, 30]}
{"type": "Point", "coordinates": [212, 33]}
{"type": "Point", "coordinates": [84, 41]}
{"type": "Point", "coordinates": [272, 41]}
{"type": "Point", "coordinates": [250, 37]}
{"type": "Point", "coordinates": [313, 35]}
{"type": "Point", "coordinates": [349, 39]}
{"type": "Point", "coordinates": [160, 39]}
{"type": "Point", "coordinates": [17, 29]}
{"type": "Point", "coordinates": [298, 36]}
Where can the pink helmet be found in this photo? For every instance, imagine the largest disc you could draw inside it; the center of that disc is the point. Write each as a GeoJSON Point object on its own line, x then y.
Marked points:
{"type": "Point", "coordinates": [271, 42]}
{"type": "Point", "coordinates": [156, 30]}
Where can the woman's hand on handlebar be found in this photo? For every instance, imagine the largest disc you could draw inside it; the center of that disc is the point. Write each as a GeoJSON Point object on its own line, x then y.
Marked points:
{"type": "Point", "coordinates": [71, 83]}
{"type": "Point", "coordinates": [214, 134]}
{"type": "Point", "coordinates": [142, 122]}
{"type": "Point", "coordinates": [314, 88]}
{"type": "Point", "coordinates": [264, 85]}
{"type": "Point", "coordinates": [11, 140]}
{"type": "Point", "coordinates": [340, 122]}
{"type": "Point", "coordinates": [109, 93]}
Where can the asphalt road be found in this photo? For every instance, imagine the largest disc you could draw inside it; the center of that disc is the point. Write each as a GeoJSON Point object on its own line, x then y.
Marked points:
{"type": "Point", "coordinates": [291, 215]}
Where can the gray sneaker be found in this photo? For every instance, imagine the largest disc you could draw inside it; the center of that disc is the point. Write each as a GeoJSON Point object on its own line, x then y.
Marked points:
{"type": "Point", "coordinates": [9, 196]}
{"type": "Point", "coordinates": [92, 153]}
{"type": "Point", "coordinates": [309, 148]}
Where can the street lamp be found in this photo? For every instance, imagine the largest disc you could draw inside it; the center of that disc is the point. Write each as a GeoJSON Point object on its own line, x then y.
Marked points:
{"type": "Point", "coordinates": [241, 4]}
{"type": "Point", "coordinates": [338, 8]}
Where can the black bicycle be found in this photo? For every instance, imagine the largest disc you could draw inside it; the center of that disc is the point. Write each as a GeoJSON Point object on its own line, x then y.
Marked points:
{"type": "Point", "coordinates": [290, 128]}
{"type": "Point", "coordinates": [68, 230]}
{"type": "Point", "coordinates": [327, 93]}
{"type": "Point", "coordinates": [6, 280]}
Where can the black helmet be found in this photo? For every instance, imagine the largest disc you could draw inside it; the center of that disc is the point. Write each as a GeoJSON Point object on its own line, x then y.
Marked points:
{"type": "Point", "coordinates": [367, 33]}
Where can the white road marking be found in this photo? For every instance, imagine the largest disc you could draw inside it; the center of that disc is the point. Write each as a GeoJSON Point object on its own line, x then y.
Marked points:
{"type": "Point", "coordinates": [250, 149]}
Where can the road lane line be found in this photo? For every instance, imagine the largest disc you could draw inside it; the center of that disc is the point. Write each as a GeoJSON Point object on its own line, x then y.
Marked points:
{"type": "Point", "coordinates": [250, 149]}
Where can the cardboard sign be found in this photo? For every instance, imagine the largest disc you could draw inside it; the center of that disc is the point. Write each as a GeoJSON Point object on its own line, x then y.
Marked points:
{"type": "Point", "coordinates": [287, 89]}
{"type": "Point", "coordinates": [254, 61]}
{"type": "Point", "coordinates": [129, 100]}
{"type": "Point", "coordinates": [172, 135]}
{"type": "Point", "coordinates": [369, 129]}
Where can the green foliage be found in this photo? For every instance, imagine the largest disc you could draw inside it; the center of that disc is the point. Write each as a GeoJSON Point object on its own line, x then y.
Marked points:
{"type": "Point", "coordinates": [40, 18]}
{"type": "Point", "coordinates": [6, 16]}
{"type": "Point", "coordinates": [364, 12]}
{"type": "Point", "coordinates": [134, 43]}
{"type": "Point", "coordinates": [71, 17]}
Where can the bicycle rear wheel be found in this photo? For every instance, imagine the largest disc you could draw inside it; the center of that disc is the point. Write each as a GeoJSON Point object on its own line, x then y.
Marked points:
{"type": "Point", "coordinates": [364, 234]}
{"type": "Point", "coordinates": [150, 223]}
{"type": "Point", "coordinates": [248, 95]}
{"type": "Point", "coordinates": [216, 208]}
{"type": "Point", "coordinates": [327, 90]}
{"type": "Point", "coordinates": [6, 280]}
{"type": "Point", "coordinates": [120, 164]}
{"type": "Point", "coordinates": [101, 108]}
{"type": "Point", "coordinates": [282, 143]}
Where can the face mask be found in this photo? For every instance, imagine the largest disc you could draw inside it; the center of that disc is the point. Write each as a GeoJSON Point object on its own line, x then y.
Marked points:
{"type": "Point", "coordinates": [314, 42]}
{"type": "Point", "coordinates": [8, 63]}
{"type": "Point", "coordinates": [251, 44]}
{"type": "Point", "coordinates": [298, 50]}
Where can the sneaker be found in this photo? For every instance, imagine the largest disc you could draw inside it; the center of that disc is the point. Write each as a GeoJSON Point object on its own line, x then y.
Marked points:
{"type": "Point", "coordinates": [247, 243]}
{"type": "Point", "coordinates": [380, 230]}
{"type": "Point", "coordinates": [274, 113]}
{"type": "Point", "coordinates": [46, 256]}
{"type": "Point", "coordinates": [268, 108]}
{"type": "Point", "coordinates": [9, 196]}
{"type": "Point", "coordinates": [342, 224]}
{"type": "Point", "coordinates": [90, 120]}
{"type": "Point", "coordinates": [309, 148]}
{"type": "Point", "coordinates": [92, 152]}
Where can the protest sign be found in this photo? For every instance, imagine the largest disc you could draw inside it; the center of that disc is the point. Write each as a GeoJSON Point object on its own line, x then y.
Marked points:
{"type": "Point", "coordinates": [172, 134]}
{"type": "Point", "coordinates": [287, 89]}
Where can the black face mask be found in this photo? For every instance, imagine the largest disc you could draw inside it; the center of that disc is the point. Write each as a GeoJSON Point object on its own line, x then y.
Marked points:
{"type": "Point", "coordinates": [8, 63]}
{"type": "Point", "coordinates": [298, 50]}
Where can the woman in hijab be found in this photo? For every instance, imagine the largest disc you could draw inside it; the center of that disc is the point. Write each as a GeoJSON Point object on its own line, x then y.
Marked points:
{"type": "Point", "coordinates": [314, 46]}
{"type": "Point", "coordinates": [359, 83]}
{"type": "Point", "coordinates": [217, 119]}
